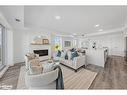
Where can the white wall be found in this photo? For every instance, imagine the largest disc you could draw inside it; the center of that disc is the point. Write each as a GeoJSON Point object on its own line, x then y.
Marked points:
{"type": "Point", "coordinates": [10, 60]}
{"type": "Point", "coordinates": [115, 42]}
{"type": "Point", "coordinates": [19, 37]}
{"type": "Point", "coordinates": [22, 40]}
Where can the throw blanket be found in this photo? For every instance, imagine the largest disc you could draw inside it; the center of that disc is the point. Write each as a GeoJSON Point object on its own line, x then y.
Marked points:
{"type": "Point", "coordinates": [59, 80]}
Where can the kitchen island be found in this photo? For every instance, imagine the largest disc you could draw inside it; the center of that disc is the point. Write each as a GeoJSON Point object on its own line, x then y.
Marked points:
{"type": "Point", "coordinates": [97, 56]}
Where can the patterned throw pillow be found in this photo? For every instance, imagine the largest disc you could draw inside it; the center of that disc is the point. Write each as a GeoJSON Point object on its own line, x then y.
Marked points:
{"type": "Point", "coordinates": [73, 49]}
{"type": "Point", "coordinates": [47, 67]}
{"type": "Point", "coordinates": [35, 67]}
{"type": "Point", "coordinates": [74, 54]}
{"type": "Point", "coordinates": [62, 54]}
{"type": "Point", "coordinates": [34, 62]}
{"type": "Point", "coordinates": [59, 53]}
{"type": "Point", "coordinates": [34, 70]}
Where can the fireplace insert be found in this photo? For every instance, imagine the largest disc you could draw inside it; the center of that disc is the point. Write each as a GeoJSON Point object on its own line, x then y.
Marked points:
{"type": "Point", "coordinates": [41, 52]}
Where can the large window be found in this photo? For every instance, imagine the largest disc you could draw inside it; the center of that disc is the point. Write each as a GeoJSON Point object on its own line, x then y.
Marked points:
{"type": "Point", "coordinates": [58, 43]}
{"type": "Point", "coordinates": [2, 46]}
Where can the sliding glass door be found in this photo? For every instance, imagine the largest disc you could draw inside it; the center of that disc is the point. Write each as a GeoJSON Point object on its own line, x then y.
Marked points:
{"type": "Point", "coordinates": [2, 47]}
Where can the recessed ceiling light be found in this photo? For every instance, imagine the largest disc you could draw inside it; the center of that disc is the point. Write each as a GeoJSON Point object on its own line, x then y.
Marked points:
{"type": "Point", "coordinates": [58, 17]}
{"type": "Point", "coordinates": [100, 29]}
{"type": "Point", "coordinates": [97, 25]}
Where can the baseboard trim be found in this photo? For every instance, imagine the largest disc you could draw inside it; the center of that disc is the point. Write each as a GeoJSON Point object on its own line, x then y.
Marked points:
{"type": "Point", "coordinates": [3, 71]}
{"type": "Point", "coordinates": [19, 62]}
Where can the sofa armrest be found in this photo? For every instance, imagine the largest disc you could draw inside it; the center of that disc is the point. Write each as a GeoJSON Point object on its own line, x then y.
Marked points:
{"type": "Point", "coordinates": [40, 80]}
{"type": "Point", "coordinates": [80, 58]}
{"type": "Point", "coordinates": [79, 61]}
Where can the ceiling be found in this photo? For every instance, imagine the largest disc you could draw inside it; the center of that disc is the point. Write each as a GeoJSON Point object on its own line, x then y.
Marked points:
{"type": "Point", "coordinates": [12, 12]}
{"type": "Point", "coordinates": [67, 20]}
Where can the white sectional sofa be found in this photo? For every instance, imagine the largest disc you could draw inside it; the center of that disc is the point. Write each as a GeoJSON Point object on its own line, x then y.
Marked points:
{"type": "Point", "coordinates": [75, 64]}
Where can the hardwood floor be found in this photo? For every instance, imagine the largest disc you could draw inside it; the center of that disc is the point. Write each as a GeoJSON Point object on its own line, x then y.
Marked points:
{"type": "Point", "coordinates": [113, 76]}
{"type": "Point", "coordinates": [10, 78]}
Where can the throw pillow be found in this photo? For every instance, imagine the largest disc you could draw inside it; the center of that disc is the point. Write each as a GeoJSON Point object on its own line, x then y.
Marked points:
{"type": "Point", "coordinates": [31, 56]}
{"type": "Point", "coordinates": [62, 54]}
{"type": "Point", "coordinates": [47, 67]}
{"type": "Point", "coordinates": [72, 50]}
{"type": "Point", "coordinates": [58, 53]}
{"type": "Point", "coordinates": [34, 62]}
{"type": "Point", "coordinates": [66, 56]}
{"type": "Point", "coordinates": [35, 67]}
{"type": "Point", "coordinates": [35, 70]}
{"type": "Point", "coordinates": [74, 54]}
{"type": "Point", "coordinates": [69, 55]}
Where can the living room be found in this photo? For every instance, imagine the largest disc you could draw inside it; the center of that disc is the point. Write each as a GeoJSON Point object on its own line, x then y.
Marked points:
{"type": "Point", "coordinates": [85, 42]}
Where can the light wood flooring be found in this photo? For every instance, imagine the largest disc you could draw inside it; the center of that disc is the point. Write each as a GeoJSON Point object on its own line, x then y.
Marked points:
{"type": "Point", "coordinates": [113, 76]}
{"type": "Point", "coordinates": [11, 76]}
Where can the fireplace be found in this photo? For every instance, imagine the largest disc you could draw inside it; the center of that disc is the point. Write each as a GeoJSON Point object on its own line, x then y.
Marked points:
{"type": "Point", "coordinates": [41, 52]}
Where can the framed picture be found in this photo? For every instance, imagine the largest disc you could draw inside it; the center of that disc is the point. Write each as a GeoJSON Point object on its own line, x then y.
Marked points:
{"type": "Point", "coordinates": [67, 43]}
{"type": "Point", "coordinates": [45, 41]}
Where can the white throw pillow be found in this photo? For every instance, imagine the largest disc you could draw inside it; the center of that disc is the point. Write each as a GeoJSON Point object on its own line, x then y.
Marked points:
{"type": "Point", "coordinates": [31, 56]}
{"type": "Point", "coordinates": [62, 54]}
{"type": "Point", "coordinates": [35, 70]}
{"type": "Point", "coordinates": [69, 55]}
{"type": "Point", "coordinates": [47, 67]}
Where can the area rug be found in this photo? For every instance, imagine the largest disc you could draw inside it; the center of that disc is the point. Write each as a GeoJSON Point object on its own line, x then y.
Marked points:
{"type": "Point", "coordinates": [82, 79]}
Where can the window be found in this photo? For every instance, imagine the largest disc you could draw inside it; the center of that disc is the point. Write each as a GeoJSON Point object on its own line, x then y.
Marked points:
{"type": "Point", "coordinates": [2, 47]}
{"type": "Point", "coordinates": [58, 43]}
{"type": "Point", "coordinates": [67, 43]}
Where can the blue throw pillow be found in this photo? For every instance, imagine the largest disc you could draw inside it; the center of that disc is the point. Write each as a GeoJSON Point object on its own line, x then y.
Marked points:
{"type": "Point", "coordinates": [72, 50]}
{"type": "Point", "coordinates": [74, 54]}
{"type": "Point", "coordinates": [66, 56]}
{"type": "Point", "coordinates": [59, 53]}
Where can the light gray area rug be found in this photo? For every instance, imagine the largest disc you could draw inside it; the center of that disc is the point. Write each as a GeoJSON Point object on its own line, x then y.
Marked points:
{"type": "Point", "coordinates": [82, 79]}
